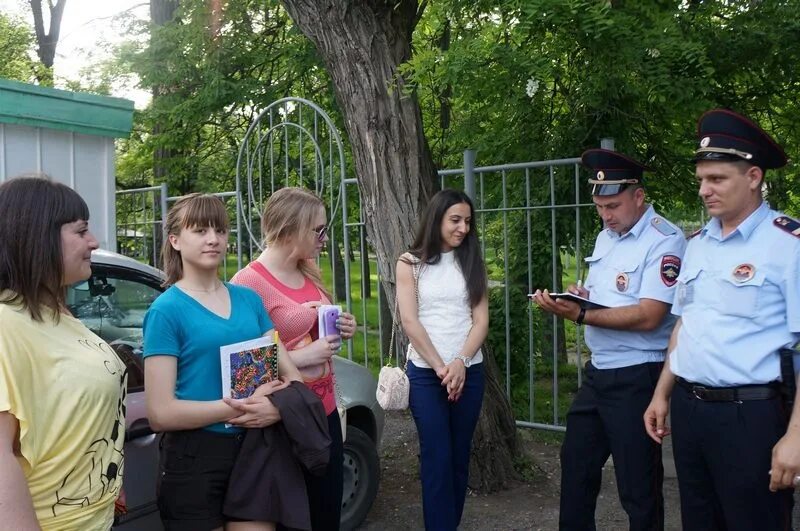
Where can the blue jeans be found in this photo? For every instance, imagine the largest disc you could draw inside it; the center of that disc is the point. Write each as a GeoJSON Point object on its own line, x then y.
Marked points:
{"type": "Point", "coordinates": [445, 439]}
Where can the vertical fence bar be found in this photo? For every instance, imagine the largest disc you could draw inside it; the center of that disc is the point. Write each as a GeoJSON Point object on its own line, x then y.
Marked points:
{"type": "Point", "coordinates": [380, 317]}
{"type": "Point", "coordinates": [483, 218]}
{"type": "Point", "coordinates": [554, 264]}
{"type": "Point", "coordinates": [469, 173]}
{"type": "Point", "coordinates": [300, 146]}
{"type": "Point", "coordinates": [362, 249]}
{"type": "Point", "coordinates": [239, 263]}
{"type": "Point", "coordinates": [285, 144]}
{"type": "Point", "coordinates": [507, 308]}
{"type": "Point", "coordinates": [578, 270]}
{"type": "Point", "coordinates": [531, 351]}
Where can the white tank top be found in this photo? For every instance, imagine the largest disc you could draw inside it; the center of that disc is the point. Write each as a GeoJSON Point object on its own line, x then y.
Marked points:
{"type": "Point", "coordinates": [444, 310]}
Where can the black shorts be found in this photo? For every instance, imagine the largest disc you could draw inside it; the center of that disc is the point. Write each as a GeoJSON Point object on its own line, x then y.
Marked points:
{"type": "Point", "coordinates": [194, 468]}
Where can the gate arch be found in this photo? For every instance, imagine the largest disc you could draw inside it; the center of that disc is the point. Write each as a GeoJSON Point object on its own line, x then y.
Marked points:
{"type": "Point", "coordinates": [297, 137]}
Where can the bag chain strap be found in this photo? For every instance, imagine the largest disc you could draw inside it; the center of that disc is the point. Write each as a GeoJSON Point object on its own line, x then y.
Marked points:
{"type": "Point", "coordinates": [415, 269]}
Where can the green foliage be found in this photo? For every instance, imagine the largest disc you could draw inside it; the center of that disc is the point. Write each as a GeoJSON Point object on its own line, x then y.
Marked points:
{"type": "Point", "coordinates": [544, 79]}
{"type": "Point", "coordinates": [517, 80]}
{"type": "Point", "coordinates": [211, 76]}
{"type": "Point", "coordinates": [17, 50]}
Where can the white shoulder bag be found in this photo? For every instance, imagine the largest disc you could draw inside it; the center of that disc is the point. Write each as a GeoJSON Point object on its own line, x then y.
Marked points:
{"type": "Point", "coordinates": [393, 385]}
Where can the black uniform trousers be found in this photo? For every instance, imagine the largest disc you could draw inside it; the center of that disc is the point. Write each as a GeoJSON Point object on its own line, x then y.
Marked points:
{"type": "Point", "coordinates": [606, 418]}
{"type": "Point", "coordinates": [723, 453]}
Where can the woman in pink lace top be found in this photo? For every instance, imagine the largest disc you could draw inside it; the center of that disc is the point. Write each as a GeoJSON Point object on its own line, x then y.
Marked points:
{"type": "Point", "coordinates": [288, 281]}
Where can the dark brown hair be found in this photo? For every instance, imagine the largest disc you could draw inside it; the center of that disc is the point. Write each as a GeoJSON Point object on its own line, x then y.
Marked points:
{"type": "Point", "coordinates": [32, 211]}
{"type": "Point", "coordinates": [427, 246]}
{"type": "Point", "coordinates": [193, 210]}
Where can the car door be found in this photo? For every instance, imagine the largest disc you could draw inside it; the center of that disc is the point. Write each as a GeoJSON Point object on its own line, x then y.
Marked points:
{"type": "Point", "coordinates": [112, 303]}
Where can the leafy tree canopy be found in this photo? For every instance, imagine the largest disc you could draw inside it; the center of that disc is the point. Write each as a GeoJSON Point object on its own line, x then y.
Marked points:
{"type": "Point", "coordinates": [16, 49]}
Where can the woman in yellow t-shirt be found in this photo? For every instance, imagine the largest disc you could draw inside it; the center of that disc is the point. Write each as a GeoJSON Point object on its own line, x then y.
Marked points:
{"type": "Point", "coordinates": [62, 402]}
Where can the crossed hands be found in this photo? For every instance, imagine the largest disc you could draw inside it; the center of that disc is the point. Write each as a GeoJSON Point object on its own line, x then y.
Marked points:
{"type": "Point", "coordinates": [257, 411]}
{"type": "Point", "coordinates": [453, 376]}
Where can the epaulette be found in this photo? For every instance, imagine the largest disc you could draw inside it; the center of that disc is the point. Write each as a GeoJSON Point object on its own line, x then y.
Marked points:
{"type": "Point", "coordinates": [790, 225]}
{"type": "Point", "coordinates": [663, 227]}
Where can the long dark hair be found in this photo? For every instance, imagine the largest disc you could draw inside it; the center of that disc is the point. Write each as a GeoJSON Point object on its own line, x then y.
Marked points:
{"type": "Point", "coordinates": [427, 246]}
{"type": "Point", "coordinates": [32, 211]}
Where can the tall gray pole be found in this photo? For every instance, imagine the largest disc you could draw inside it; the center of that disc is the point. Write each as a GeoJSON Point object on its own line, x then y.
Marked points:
{"type": "Point", "coordinates": [469, 173]}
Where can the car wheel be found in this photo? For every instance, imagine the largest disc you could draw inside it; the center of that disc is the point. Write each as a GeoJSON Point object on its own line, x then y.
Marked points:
{"type": "Point", "coordinates": [361, 477]}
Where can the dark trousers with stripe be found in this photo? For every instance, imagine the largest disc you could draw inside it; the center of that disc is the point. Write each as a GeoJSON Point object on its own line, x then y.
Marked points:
{"type": "Point", "coordinates": [606, 419]}
{"type": "Point", "coordinates": [723, 453]}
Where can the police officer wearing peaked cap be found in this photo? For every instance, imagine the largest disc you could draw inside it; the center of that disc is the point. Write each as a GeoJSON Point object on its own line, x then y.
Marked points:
{"type": "Point", "coordinates": [632, 271]}
{"type": "Point", "coordinates": [739, 303]}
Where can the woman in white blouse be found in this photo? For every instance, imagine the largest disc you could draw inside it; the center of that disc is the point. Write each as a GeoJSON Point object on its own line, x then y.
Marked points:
{"type": "Point", "coordinates": [444, 310]}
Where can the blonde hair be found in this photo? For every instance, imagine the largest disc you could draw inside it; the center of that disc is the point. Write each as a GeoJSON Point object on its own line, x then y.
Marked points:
{"type": "Point", "coordinates": [289, 213]}
{"type": "Point", "coordinates": [193, 210]}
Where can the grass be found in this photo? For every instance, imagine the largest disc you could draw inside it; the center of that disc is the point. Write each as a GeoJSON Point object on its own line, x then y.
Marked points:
{"type": "Point", "coordinates": [365, 350]}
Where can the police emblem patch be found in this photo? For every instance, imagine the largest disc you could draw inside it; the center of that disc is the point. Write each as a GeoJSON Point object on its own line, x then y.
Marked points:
{"type": "Point", "coordinates": [622, 282]}
{"type": "Point", "coordinates": [705, 141]}
{"type": "Point", "coordinates": [601, 176]}
{"type": "Point", "coordinates": [670, 269]}
{"type": "Point", "coordinates": [743, 272]}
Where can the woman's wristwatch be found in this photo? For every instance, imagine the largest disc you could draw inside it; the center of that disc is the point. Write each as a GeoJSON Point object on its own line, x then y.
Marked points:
{"type": "Point", "coordinates": [466, 360]}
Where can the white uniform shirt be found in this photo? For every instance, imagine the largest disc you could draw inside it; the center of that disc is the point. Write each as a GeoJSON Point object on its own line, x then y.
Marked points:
{"type": "Point", "coordinates": [739, 302]}
{"type": "Point", "coordinates": [641, 264]}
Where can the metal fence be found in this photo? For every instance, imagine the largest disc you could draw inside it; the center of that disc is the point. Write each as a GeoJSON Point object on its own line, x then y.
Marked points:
{"type": "Point", "coordinates": [140, 216]}
{"type": "Point", "coordinates": [529, 214]}
{"type": "Point", "coordinates": [534, 194]}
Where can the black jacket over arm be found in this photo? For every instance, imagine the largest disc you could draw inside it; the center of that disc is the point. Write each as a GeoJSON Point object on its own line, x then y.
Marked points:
{"type": "Point", "coordinates": [267, 483]}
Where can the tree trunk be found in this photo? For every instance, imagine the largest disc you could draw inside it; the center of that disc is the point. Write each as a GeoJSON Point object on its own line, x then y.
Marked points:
{"type": "Point", "coordinates": [162, 12]}
{"type": "Point", "coordinates": [47, 42]}
{"type": "Point", "coordinates": [495, 443]}
{"type": "Point", "coordinates": [363, 43]}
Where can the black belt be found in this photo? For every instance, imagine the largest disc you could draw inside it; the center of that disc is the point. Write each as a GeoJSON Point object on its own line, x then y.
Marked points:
{"type": "Point", "coordinates": [730, 394]}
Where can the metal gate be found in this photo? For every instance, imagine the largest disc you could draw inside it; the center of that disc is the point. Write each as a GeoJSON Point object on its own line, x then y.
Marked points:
{"type": "Point", "coordinates": [293, 142]}
{"type": "Point", "coordinates": [516, 206]}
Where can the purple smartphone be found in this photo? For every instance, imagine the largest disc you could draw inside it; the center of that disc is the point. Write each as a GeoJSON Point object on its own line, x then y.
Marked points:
{"type": "Point", "coordinates": [328, 321]}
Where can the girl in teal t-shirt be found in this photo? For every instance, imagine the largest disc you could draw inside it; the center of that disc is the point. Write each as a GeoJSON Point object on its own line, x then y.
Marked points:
{"type": "Point", "coordinates": [183, 333]}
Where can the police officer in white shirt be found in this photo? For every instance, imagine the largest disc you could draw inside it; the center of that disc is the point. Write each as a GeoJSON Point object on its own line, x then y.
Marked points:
{"type": "Point", "coordinates": [633, 271]}
{"type": "Point", "coordinates": [739, 304]}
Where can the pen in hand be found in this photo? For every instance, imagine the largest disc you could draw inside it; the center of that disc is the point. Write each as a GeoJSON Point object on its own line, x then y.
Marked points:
{"type": "Point", "coordinates": [579, 286]}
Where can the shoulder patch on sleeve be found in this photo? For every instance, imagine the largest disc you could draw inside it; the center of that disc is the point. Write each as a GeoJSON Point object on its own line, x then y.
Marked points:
{"type": "Point", "coordinates": [662, 226]}
{"type": "Point", "coordinates": [670, 269]}
{"type": "Point", "coordinates": [787, 224]}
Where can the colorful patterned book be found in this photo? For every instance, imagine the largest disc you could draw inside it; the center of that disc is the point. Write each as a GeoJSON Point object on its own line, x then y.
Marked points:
{"type": "Point", "coordinates": [247, 365]}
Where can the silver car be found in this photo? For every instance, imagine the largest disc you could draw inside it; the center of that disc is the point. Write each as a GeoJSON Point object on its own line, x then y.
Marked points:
{"type": "Point", "coordinates": [113, 302]}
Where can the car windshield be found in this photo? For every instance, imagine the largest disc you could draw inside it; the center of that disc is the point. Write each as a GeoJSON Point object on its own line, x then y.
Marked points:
{"type": "Point", "coordinates": [112, 304]}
